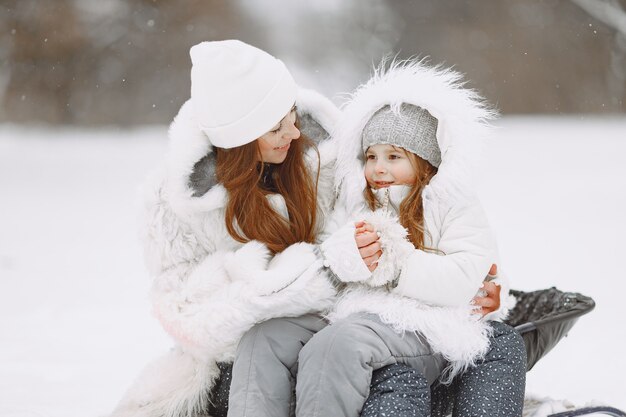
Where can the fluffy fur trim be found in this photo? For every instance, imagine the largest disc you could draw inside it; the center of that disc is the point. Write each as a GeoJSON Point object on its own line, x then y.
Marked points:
{"type": "Point", "coordinates": [175, 384]}
{"type": "Point", "coordinates": [188, 144]}
{"type": "Point", "coordinates": [460, 336]}
{"type": "Point", "coordinates": [395, 247]}
{"type": "Point", "coordinates": [327, 115]}
{"type": "Point", "coordinates": [321, 108]}
{"type": "Point", "coordinates": [463, 124]}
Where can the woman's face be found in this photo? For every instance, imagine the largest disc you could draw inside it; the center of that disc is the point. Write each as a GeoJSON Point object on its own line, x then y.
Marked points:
{"type": "Point", "coordinates": [275, 144]}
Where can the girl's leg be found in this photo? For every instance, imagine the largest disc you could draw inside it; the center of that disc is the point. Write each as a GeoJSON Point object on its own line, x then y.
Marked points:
{"type": "Point", "coordinates": [495, 386]}
{"type": "Point", "coordinates": [336, 366]}
{"type": "Point", "coordinates": [265, 366]}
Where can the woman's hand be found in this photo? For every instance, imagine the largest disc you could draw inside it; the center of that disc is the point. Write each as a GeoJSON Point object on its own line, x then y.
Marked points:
{"type": "Point", "coordinates": [490, 302]}
{"type": "Point", "coordinates": [368, 244]}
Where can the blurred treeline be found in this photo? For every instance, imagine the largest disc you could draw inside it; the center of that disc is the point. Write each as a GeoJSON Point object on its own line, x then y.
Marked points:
{"type": "Point", "coordinates": [126, 61]}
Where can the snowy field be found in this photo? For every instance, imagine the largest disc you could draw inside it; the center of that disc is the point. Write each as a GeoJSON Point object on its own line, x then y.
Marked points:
{"type": "Point", "coordinates": [75, 324]}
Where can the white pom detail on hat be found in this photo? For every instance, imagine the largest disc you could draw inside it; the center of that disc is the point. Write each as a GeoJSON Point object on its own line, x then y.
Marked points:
{"type": "Point", "coordinates": [238, 92]}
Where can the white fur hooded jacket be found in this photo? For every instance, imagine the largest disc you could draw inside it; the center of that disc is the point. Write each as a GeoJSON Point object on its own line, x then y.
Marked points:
{"type": "Point", "coordinates": [208, 289]}
{"type": "Point", "coordinates": [433, 292]}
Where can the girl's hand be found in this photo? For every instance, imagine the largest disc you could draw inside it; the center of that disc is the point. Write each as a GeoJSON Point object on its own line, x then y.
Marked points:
{"type": "Point", "coordinates": [491, 301]}
{"type": "Point", "coordinates": [368, 244]}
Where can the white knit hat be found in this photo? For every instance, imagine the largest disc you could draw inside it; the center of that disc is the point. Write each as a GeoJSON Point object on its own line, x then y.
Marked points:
{"type": "Point", "coordinates": [238, 92]}
{"type": "Point", "coordinates": [410, 127]}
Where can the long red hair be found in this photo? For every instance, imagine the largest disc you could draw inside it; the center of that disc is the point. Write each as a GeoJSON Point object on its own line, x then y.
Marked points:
{"type": "Point", "coordinates": [412, 208]}
{"type": "Point", "coordinates": [249, 215]}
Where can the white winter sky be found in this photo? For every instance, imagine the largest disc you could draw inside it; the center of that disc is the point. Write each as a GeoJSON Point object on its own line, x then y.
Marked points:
{"type": "Point", "coordinates": [75, 324]}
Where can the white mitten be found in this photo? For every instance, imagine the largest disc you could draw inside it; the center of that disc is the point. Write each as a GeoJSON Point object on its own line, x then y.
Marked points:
{"type": "Point", "coordinates": [247, 261]}
{"type": "Point", "coordinates": [265, 278]}
{"type": "Point", "coordinates": [342, 255]}
{"type": "Point", "coordinates": [296, 257]}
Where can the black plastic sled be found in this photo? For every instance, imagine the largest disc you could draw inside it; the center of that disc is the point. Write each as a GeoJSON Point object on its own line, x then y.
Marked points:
{"type": "Point", "coordinates": [607, 411]}
{"type": "Point", "coordinates": [544, 317]}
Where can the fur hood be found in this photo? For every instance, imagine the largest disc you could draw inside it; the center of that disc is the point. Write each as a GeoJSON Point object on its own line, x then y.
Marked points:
{"type": "Point", "coordinates": [190, 168]}
{"type": "Point", "coordinates": [463, 123]}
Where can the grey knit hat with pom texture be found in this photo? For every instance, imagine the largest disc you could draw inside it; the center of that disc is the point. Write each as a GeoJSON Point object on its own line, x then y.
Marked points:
{"type": "Point", "coordinates": [412, 128]}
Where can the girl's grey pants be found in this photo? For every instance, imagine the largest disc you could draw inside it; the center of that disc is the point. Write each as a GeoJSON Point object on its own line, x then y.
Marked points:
{"type": "Point", "coordinates": [332, 365]}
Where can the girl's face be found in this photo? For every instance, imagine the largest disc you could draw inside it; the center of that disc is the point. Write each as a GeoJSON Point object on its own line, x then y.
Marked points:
{"type": "Point", "coordinates": [275, 143]}
{"type": "Point", "coordinates": [387, 165]}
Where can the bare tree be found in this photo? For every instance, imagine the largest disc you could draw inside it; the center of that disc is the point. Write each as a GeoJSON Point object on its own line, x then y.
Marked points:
{"type": "Point", "coordinates": [127, 61]}
{"type": "Point", "coordinates": [43, 56]}
{"type": "Point", "coordinates": [612, 14]}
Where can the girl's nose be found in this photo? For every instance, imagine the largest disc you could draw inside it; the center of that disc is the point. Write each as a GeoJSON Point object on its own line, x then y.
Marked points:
{"type": "Point", "coordinates": [380, 167]}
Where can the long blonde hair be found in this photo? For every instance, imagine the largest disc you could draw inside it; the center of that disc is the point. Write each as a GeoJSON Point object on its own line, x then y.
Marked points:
{"type": "Point", "coordinates": [249, 214]}
{"type": "Point", "coordinates": [411, 209]}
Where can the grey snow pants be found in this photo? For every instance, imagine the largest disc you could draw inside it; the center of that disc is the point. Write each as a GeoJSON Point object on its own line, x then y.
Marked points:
{"type": "Point", "coordinates": [332, 365]}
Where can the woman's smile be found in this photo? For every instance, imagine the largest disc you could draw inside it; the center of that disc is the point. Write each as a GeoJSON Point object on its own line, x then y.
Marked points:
{"type": "Point", "coordinates": [283, 148]}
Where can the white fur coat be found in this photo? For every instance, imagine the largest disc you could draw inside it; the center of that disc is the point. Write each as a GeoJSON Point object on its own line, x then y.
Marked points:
{"type": "Point", "coordinates": [208, 289]}
{"type": "Point", "coordinates": [433, 292]}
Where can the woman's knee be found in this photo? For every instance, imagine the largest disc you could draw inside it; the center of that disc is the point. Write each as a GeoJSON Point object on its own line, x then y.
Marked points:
{"type": "Point", "coordinates": [505, 335]}
{"type": "Point", "coordinates": [506, 342]}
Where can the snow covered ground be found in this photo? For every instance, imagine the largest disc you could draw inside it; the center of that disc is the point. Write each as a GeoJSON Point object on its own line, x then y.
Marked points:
{"type": "Point", "coordinates": [75, 326]}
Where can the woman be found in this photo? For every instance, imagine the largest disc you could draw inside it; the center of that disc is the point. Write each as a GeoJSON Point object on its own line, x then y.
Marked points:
{"type": "Point", "coordinates": [230, 224]}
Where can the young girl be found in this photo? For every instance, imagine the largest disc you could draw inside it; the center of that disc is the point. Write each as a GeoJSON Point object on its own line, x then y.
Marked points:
{"type": "Point", "coordinates": [406, 143]}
